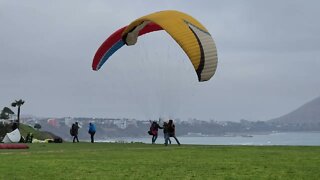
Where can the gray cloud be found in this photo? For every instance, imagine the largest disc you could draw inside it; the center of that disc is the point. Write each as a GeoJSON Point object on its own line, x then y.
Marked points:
{"type": "Point", "coordinates": [268, 60]}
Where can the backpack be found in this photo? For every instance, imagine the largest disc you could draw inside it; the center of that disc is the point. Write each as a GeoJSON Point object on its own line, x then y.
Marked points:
{"type": "Point", "coordinates": [152, 130]}
{"type": "Point", "coordinates": [72, 130]}
{"type": "Point", "coordinates": [171, 128]}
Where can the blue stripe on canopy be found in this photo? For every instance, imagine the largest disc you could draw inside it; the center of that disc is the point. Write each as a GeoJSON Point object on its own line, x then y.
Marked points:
{"type": "Point", "coordinates": [112, 50]}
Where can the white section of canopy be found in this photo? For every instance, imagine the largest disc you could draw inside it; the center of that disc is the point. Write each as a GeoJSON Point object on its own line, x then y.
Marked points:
{"type": "Point", "coordinates": [132, 37]}
{"type": "Point", "coordinates": [209, 52]}
{"type": "Point", "coordinates": [12, 137]}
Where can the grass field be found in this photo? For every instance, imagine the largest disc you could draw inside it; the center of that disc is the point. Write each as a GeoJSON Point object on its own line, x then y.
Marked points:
{"type": "Point", "coordinates": [145, 161]}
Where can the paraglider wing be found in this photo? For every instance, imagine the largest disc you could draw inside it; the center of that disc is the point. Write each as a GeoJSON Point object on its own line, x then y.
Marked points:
{"type": "Point", "coordinates": [115, 42]}
{"type": "Point", "coordinates": [190, 34]}
{"type": "Point", "coordinates": [192, 37]}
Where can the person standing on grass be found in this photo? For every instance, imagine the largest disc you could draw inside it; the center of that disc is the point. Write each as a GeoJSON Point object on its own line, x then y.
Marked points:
{"type": "Point", "coordinates": [166, 133]}
{"type": "Point", "coordinates": [172, 131]}
{"type": "Point", "coordinates": [154, 131]}
{"type": "Point", "coordinates": [74, 132]}
{"type": "Point", "coordinates": [92, 131]}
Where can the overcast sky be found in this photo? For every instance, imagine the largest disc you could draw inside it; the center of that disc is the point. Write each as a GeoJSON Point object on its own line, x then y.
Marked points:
{"type": "Point", "coordinates": [269, 60]}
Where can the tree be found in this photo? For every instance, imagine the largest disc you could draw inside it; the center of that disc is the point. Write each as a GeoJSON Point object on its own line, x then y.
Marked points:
{"type": "Point", "coordinates": [37, 126]}
{"type": "Point", "coordinates": [18, 103]}
{"type": "Point", "coordinates": [5, 113]}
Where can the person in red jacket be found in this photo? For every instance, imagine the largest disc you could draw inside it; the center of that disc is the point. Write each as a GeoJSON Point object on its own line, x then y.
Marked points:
{"type": "Point", "coordinates": [154, 131]}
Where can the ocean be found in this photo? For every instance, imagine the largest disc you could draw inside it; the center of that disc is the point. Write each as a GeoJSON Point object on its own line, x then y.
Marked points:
{"type": "Point", "coordinates": [287, 139]}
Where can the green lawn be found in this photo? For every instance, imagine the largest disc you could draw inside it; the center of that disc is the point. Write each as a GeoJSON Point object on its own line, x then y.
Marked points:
{"type": "Point", "coordinates": [145, 161]}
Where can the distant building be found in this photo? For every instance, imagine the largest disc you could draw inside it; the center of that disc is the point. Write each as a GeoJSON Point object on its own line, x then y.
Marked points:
{"type": "Point", "coordinates": [68, 121]}
{"type": "Point", "coordinates": [53, 122]}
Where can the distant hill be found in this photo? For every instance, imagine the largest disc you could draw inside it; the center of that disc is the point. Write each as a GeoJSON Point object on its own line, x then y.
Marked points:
{"type": "Point", "coordinates": [41, 135]}
{"type": "Point", "coordinates": [308, 113]}
{"type": "Point", "coordinates": [24, 130]}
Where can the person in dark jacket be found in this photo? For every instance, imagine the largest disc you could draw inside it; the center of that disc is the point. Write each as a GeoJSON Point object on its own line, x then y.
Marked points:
{"type": "Point", "coordinates": [74, 131]}
{"type": "Point", "coordinates": [172, 131]}
{"type": "Point", "coordinates": [166, 133]}
{"type": "Point", "coordinates": [154, 128]}
{"type": "Point", "coordinates": [92, 131]}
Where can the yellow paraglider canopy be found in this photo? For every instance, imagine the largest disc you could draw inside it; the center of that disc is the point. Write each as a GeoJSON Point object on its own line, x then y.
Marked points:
{"type": "Point", "coordinates": [190, 34]}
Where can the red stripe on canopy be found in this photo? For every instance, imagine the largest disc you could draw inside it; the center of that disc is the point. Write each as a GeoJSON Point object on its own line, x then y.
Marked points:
{"type": "Point", "coordinates": [115, 37]}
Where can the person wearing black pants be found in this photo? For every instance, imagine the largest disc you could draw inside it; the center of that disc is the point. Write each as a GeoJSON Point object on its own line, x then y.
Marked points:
{"type": "Point", "coordinates": [74, 129]}
{"type": "Point", "coordinates": [172, 132]}
{"type": "Point", "coordinates": [92, 131]}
